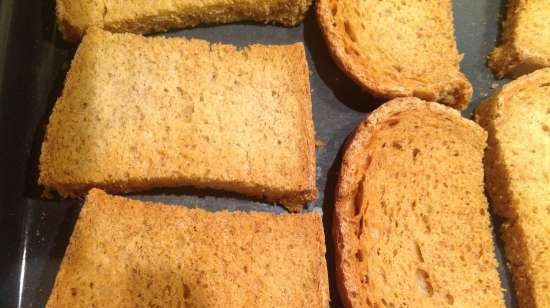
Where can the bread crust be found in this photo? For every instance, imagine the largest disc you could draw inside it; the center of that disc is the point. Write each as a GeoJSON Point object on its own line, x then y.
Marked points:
{"type": "Point", "coordinates": [199, 134]}
{"type": "Point", "coordinates": [141, 16]}
{"type": "Point", "coordinates": [523, 46]}
{"type": "Point", "coordinates": [350, 179]}
{"type": "Point", "coordinates": [452, 88]}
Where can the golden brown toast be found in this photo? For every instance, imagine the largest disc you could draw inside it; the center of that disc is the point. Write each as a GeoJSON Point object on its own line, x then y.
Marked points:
{"type": "Point", "coordinates": [397, 48]}
{"type": "Point", "coordinates": [525, 41]}
{"type": "Point", "coordinates": [138, 113]}
{"type": "Point", "coordinates": [128, 253]}
{"type": "Point", "coordinates": [517, 168]}
{"type": "Point", "coordinates": [74, 17]}
{"type": "Point", "coordinates": [411, 223]}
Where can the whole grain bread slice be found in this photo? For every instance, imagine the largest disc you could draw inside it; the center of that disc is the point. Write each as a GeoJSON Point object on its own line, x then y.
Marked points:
{"type": "Point", "coordinates": [517, 168]}
{"type": "Point", "coordinates": [138, 113]}
{"type": "Point", "coordinates": [397, 48]}
{"type": "Point", "coordinates": [74, 17]}
{"type": "Point", "coordinates": [525, 40]}
{"type": "Point", "coordinates": [411, 225]}
{"type": "Point", "coordinates": [129, 253]}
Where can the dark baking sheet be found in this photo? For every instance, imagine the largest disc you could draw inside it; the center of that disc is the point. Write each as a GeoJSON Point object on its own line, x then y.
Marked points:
{"type": "Point", "coordinates": [33, 63]}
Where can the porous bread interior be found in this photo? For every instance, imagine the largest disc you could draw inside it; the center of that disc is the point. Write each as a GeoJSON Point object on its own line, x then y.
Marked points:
{"type": "Point", "coordinates": [145, 16]}
{"type": "Point", "coordinates": [517, 118]}
{"type": "Point", "coordinates": [397, 48]}
{"type": "Point", "coordinates": [525, 40]}
{"type": "Point", "coordinates": [412, 225]}
{"type": "Point", "coordinates": [138, 113]}
{"type": "Point", "coordinates": [127, 253]}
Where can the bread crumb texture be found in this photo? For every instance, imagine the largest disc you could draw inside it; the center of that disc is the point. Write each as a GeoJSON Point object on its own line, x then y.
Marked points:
{"type": "Point", "coordinates": [525, 41]}
{"type": "Point", "coordinates": [127, 253]}
{"type": "Point", "coordinates": [74, 17]}
{"type": "Point", "coordinates": [411, 222]}
{"type": "Point", "coordinates": [138, 113]}
{"type": "Point", "coordinates": [397, 48]}
{"type": "Point", "coordinates": [517, 168]}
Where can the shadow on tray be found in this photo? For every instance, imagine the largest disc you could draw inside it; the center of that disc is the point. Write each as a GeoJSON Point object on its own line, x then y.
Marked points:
{"type": "Point", "coordinates": [346, 90]}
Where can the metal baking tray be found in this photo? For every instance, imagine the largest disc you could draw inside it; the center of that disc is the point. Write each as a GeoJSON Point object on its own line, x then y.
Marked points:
{"type": "Point", "coordinates": [33, 63]}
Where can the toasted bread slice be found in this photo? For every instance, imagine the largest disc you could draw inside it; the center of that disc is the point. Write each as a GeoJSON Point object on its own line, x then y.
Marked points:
{"type": "Point", "coordinates": [525, 41]}
{"type": "Point", "coordinates": [127, 253]}
{"type": "Point", "coordinates": [397, 48]}
{"type": "Point", "coordinates": [138, 113]}
{"type": "Point", "coordinates": [411, 223]}
{"type": "Point", "coordinates": [517, 166]}
{"type": "Point", "coordinates": [74, 17]}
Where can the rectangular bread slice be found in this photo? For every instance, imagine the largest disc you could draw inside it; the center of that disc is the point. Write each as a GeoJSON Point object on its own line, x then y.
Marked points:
{"type": "Point", "coordinates": [525, 41]}
{"type": "Point", "coordinates": [517, 164]}
{"type": "Point", "coordinates": [74, 17]}
{"type": "Point", "coordinates": [138, 113]}
{"type": "Point", "coordinates": [127, 253]}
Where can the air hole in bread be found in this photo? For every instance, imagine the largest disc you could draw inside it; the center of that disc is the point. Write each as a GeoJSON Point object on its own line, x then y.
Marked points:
{"type": "Point", "coordinates": [369, 160]}
{"type": "Point", "coordinates": [423, 282]}
{"type": "Point", "coordinates": [546, 84]}
{"type": "Point", "coordinates": [482, 212]}
{"type": "Point", "coordinates": [365, 279]}
{"type": "Point", "coordinates": [393, 122]}
{"type": "Point", "coordinates": [397, 145]}
{"type": "Point", "coordinates": [186, 291]}
{"type": "Point", "coordinates": [426, 223]}
{"type": "Point", "coordinates": [418, 252]}
{"type": "Point", "coordinates": [359, 198]}
{"type": "Point", "coordinates": [450, 299]}
{"type": "Point", "coordinates": [415, 153]}
{"type": "Point", "coordinates": [359, 255]}
{"type": "Point", "coordinates": [350, 32]}
{"type": "Point", "coordinates": [398, 68]}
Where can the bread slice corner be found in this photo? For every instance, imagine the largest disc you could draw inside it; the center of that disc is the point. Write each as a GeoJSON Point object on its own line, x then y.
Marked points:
{"type": "Point", "coordinates": [525, 39]}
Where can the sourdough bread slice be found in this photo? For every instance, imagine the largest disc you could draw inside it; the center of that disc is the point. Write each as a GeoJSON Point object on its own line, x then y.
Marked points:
{"type": "Point", "coordinates": [128, 253]}
{"type": "Point", "coordinates": [411, 223]}
{"type": "Point", "coordinates": [74, 17]}
{"type": "Point", "coordinates": [138, 113]}
{"type": "Point", "coordinates": [525, 41]}
{"type": "Point", "coordinates": [517, 168]}
{"type": "Point", "coordinates": [397, 48]}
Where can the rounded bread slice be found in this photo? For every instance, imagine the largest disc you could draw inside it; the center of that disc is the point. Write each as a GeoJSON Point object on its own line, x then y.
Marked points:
{"type": "Point", "coordinates": [397, 48]}
{"type": "Point", "coordinates": [411, 225]}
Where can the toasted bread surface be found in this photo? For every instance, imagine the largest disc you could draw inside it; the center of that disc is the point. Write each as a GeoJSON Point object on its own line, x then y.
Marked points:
{"type": "Point", "coordinates": [145, 16]}
{"type": "Point", "coordinates": [411, 224]}
{"type": "Point", "coordinates": [397, 48]}
{"type": "Point", "coordinates": [139, 113]}
{"type": "Point", "coordinates": [517, 165]}
{"type": "Point", "coordinates": [128, 253]}
{"type": "Point", "coordinates": [525, 40]}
